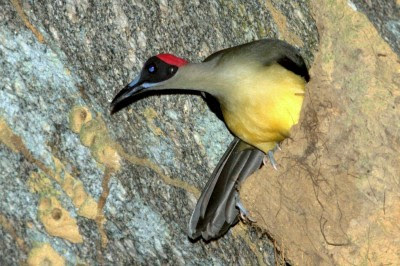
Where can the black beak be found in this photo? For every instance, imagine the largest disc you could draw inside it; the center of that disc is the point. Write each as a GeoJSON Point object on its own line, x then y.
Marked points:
{"type": "Point", "coordinates": [124, 97]}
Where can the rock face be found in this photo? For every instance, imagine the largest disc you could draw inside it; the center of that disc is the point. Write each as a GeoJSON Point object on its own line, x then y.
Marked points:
{"type": "Point", "coordinates": [338, 182]}
{"type": "Point", "coordinates": [78, 186]}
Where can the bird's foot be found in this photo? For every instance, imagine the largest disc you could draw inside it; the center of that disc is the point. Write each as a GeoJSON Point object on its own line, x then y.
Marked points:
{"type": "Point", "coordinates": [277, 147]}
{"type": "Point", "coordinates": [270, 157]}
{"type": "Point", "coordinates": [244, 214]}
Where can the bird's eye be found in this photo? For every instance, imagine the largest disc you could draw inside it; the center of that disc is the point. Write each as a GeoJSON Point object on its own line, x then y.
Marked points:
{"type": "Point", "coordinates": [172, 70]}
{"type": "Point", "coordinates": [151, 68]}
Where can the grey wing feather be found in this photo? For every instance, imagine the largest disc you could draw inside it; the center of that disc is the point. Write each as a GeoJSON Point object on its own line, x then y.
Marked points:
{"type": "Point", "coordinates": [266, 51]}
{"type": "Point", "coordinates": [216, 210]}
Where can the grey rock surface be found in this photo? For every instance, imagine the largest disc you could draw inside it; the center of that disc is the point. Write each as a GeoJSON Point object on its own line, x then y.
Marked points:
{"type": "Point", "coordinates": [385, 15]}
{"type": "Point", "coordinates": [59, 55]}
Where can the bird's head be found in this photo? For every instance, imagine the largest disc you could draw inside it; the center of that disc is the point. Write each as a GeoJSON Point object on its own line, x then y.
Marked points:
{"type": "Point", "coordinates": [156, 72]}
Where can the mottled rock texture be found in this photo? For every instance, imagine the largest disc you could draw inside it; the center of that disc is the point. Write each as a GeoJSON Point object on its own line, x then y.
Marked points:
{"type": "Point", "coordinates": [338, 182]}
{"type": "Point", "coordinates": [78, 186]}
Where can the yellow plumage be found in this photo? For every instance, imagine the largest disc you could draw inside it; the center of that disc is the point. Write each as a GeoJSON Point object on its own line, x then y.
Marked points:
{"type": "Point", "coordinates": [263, 107]}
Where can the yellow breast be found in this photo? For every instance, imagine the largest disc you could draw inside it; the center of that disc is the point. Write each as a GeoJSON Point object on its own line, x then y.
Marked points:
{"type": "Point", "coordinates": [264, 106]}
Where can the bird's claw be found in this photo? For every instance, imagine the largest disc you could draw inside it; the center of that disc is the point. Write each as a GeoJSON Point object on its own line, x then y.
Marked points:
{"type": "Point", "coordinates": [277, 147]}
{"type": "Point", "coordinates": [270, 157]}
{"type": "Point", "coordinates": [244, 214]}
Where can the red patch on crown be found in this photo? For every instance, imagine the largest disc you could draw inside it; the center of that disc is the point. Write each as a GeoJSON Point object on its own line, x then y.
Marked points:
{"type": "Point", "coordinates": [172, 60]}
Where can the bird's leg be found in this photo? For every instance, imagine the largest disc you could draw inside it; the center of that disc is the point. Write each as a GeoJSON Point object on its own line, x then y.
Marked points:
{"type": "Point", "coordinates": [244, 214]}
{"type": "Point", "coordinates": [278, 146]}
{"type": "Point", "coordinates": [270, 157]}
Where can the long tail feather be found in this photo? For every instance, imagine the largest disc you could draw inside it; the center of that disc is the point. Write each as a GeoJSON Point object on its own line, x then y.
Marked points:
{"type": "Point", "coordinates": [216, 209]}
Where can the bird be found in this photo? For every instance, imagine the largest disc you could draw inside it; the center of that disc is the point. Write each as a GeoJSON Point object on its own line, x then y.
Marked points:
{"type": "Point", "coordinates": [257, 89]}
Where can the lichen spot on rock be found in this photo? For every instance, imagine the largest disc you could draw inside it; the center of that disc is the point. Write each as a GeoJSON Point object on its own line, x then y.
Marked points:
{"type": "Point", "coordinates": [57, 220]}
{"type": "Point", "coordinates": [95, 136]}
{"type": "Point", "coordinates": [108, 156]}
{"type": "Point", "coordinates": [44, 254]}
{"type": "Point", "coordinates": [93, 131]}
{"type": "Point", "coordinates": [79, 116]}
